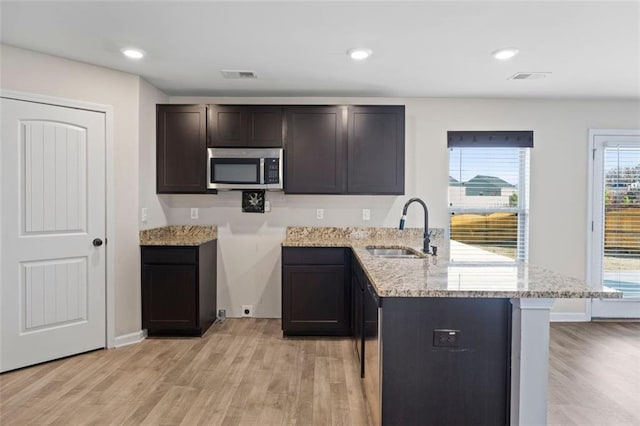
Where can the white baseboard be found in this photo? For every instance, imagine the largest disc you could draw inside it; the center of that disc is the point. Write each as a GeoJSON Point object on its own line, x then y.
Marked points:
{"type": "Point", "coordinates": [569, 317]}
{"type": "Point", "coordinates": [130, 339]}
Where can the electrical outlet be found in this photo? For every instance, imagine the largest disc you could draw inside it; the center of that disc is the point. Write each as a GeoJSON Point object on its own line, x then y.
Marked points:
{"type": "Point", "coordinates": [194, 213]}
{"type": "Point", "coordinates": [446, 338]}
{"type": "Point", "coordinates": [247, 311]}
{"type": "Point", "coordinates": [319, 213]}
{"type": "Point", "coordinates": [144, 214]}
{"type": "Point", "coordinates": [222, 315]}
{"type": "Point", "coordinates": [366, 214]}
{"type": "Point", "coordinates": [267, 206]}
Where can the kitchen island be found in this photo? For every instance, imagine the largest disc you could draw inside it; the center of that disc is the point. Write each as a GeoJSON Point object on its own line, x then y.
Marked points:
{"type": "Point", "coordinates": [447, 340]}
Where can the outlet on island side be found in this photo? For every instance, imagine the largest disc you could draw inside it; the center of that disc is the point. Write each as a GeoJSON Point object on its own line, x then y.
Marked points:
{"type": "Point", "coordinates": [247, 311]}
{"type": "Point", "coordinates": [194, 213]}
{"type": "Point", "coordinates": [446, 338]}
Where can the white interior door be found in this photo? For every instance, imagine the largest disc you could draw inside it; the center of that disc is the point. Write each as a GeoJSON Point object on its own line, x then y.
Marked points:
{"type": "Point", "coordinates": [615, 245]}
{"type": "Point", "coordinates": [52, 278]}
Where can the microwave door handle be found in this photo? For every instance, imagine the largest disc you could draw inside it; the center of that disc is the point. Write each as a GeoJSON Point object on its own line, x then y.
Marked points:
{"type": "Point", "coordinates": [262, 171]}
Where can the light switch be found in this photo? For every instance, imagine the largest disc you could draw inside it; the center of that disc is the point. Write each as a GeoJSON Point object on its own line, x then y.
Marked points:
{"type": "Point", "coordinates": [144, 214]}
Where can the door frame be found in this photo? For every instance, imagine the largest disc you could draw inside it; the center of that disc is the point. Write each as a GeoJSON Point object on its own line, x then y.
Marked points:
{"type": "Point", "coordinates": [107, 110]}
{"type": "Point", "coordinates": [591, 217]}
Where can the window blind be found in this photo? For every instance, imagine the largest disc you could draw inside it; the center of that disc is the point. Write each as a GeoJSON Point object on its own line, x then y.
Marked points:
{"type": "Point", "coordinates": [621, 252]}
{"type": "Point", "coordinates": [489, 195]}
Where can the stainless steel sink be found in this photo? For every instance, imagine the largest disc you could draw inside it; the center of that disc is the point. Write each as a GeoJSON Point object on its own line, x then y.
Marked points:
{"type": "Point", "coordinates": [399, 253]}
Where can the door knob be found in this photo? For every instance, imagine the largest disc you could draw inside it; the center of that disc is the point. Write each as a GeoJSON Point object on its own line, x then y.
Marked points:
{"type": "Point", "coordinates": [97, 242]}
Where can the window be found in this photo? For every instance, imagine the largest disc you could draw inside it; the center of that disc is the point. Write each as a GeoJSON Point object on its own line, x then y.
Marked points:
{"type": "Point", "coordinates": [489, 195]}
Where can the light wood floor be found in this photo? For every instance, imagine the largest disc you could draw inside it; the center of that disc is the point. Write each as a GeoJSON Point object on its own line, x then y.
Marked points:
{"type": "Point", "coordinates": [594, 374]}
{"type": "Point", "coordinates": [244, 372]}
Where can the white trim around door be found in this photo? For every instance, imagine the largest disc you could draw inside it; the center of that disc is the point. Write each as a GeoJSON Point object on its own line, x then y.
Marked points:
{"type": "Point", "coordinates": [599, 139]}
{"type": "Point", "coordinates": [110, 210]}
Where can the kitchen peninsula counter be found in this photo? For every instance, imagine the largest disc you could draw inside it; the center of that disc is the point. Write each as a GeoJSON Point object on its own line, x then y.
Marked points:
{"type": "Point", "coordinates": [448, 339]}
{"type": "Point", "coordinates": [451, 273]}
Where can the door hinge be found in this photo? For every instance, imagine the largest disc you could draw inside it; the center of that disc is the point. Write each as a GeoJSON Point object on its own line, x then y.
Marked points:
{"type": "Point", "coordinates": [592, 226]}
{"type": "Point", "coordinates": [593, 154]}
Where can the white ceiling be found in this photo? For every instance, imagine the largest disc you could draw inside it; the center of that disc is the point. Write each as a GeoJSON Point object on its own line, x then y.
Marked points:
{"type": "Point", "coordinates": [420, 49]}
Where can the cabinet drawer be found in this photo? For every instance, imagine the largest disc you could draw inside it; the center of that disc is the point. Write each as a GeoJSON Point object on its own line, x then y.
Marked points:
{"type": "Point", "coordinates": [170, 255]}
{"type": "Point", "coordinates": [313, 256]}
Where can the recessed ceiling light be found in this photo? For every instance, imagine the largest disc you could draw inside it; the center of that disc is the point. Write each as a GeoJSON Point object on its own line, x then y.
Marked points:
{"type": "Point", "coordinates": [132, 52]}
{"type": "Point", "coordinates": [505, 53]}
{"type": "Point", "coordinates": [359, 53]}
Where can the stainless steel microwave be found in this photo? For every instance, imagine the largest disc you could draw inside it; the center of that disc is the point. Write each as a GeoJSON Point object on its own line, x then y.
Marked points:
{"type": "Point", "coordinates": [245, 168]}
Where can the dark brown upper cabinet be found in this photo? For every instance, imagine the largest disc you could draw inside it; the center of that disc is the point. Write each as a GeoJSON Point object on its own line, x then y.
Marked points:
{"type": "Point", "coordinates": [345, 150]}
{"type": "Point", "coordinates": [252, 126]}
{"type": "Point", "coordinates": [181, 149]}
{"type": "Point", "coordinates": [375, 144]}
{"type": "Point", "coordinates": [315, 150]}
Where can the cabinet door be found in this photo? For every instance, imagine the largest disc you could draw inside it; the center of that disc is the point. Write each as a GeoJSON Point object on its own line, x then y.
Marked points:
{"type": "Point", "coordinates": [181, 144]}
{"type": "Point", "coordinates": [376, 150]}
{"type": "Point", "coordinates": [315, 150]}
{"type": "Point", "coordinates": [315, 300]}
{"type": "Point", "coordinates": [169, 297]}
{"type": "Point", "coordinates": [227, 126]}
{"type": "Point", "coordinates": [252, 126]}
{"type": "Point", "coordinates": [264, 126]}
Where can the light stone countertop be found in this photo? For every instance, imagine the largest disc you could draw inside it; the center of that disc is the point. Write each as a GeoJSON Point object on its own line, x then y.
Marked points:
{"type": "Point", "coordinates": [178, 235]}
{"type": "Point", "coordinates": [439, 276]}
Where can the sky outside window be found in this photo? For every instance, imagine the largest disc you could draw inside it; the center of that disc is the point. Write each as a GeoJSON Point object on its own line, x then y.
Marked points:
{"type": "Point", "coordinates": [504, 163]}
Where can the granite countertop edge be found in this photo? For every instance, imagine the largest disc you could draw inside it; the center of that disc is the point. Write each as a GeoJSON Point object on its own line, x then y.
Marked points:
{"type": "Point", "coordinates": [178, 235]}
{"type": "Point", "coordinates": [388, 279]}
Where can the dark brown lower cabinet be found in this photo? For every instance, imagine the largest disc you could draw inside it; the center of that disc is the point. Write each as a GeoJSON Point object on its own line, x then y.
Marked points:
{"type": "Point", "coordinates": [178, 289]}
{"type": "Point", "coordinates": [316, 291]}
{"type": "Point", "coordinates": [423, 383]}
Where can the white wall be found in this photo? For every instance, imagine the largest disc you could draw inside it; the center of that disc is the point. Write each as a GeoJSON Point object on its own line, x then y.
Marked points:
{"type": "Point", "coordinates": [149, 97]}
{"type": "Point", "coordinates": [249, 264]}
{"type": "Point", "coordinates": [31, 72]}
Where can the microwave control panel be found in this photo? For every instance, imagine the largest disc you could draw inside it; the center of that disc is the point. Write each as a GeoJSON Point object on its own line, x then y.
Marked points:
{"type": "Point", "coordinates": [271, 170]}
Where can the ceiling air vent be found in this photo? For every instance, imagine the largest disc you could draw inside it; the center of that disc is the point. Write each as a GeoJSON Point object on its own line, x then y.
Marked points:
{"type": "Point", "coordinates": [529, 75]}
{"type": "Point", "coordinates": [239, 74]}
